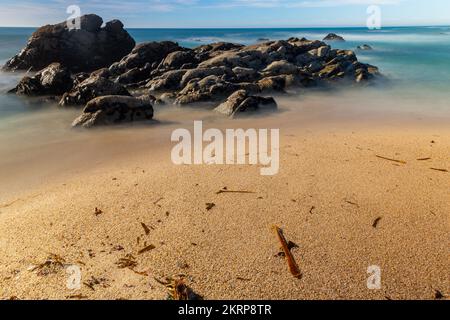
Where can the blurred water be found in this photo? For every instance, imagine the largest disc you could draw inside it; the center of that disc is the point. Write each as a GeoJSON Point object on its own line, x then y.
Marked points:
{"type": "Point", "coordinates": [416, 59]}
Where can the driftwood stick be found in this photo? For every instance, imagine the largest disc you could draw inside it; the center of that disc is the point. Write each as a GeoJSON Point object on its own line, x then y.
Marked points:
{"type": "Point", "coordinates": [293, 267]}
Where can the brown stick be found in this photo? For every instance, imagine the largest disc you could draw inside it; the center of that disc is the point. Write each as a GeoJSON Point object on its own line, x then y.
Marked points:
{"type": "Point", "coordinates": [293, 267]}
{"type": "Point", "coordinates": [393, 160]}
{"type": "Point", "coordinates": [441, 170]}
{"type": "Point", "coordinates": [230, 191]}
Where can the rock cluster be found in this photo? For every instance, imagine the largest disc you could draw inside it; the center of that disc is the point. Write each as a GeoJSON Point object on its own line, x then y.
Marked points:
{"type": "Point", "coordinates": [230, 77]}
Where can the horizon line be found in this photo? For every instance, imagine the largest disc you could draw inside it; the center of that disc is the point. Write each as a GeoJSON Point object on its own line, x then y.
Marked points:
{"type": "Point", "coordinates": [255, 27]}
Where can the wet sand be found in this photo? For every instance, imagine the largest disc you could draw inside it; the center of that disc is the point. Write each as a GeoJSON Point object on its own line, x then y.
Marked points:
{"type": "Point", "coordinates": [345, 208]}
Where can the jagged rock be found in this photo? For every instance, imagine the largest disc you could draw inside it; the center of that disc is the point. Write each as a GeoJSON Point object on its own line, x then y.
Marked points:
{"type": "Point", "coordinates": [245, 74]}
{"type": "Point", "coordinates": [201, 73]}
{"type": "Point", "coordinates": [53, 80]}
{"type": "Point", "coordinates": [168, 81]}
{"type": "Point", "coordinates": [86, 49]}
{"type": "Point", "coordinates": [278, 83]}
{"type": "Point", "coordinates": [93, 87]}
{"type": "Point", "coordinates": [111, 110]}
{"type": "Point", "coordinates": [333, 37]}
{"type": "Point", "coordinates": [280, 68]}
{"type": "Point", "coordinates": [146, 53]}
{"type": "Point", "coordinates": [135, 75]}
{"type": "Point", "coordinates": [177, 59]}
{"type": "Point", "coordinates": [365, 47]}
{"type": "Point", "coordinates": [241, 102]}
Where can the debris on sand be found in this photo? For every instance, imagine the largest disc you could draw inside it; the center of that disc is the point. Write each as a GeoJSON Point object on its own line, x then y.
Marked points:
{"type": "Point", "coordinates": [146, 228]}
{"type": "Point", "coordinates": [393, 160]}
{"type": "Point", "coordinates": [93, 282]}
{"type": "Point", "coordinates": [146, 249]}
{"type": "Point", "coordinates": [438, 295]}
{"type": "Point", "coordinates": [98, 212]}
{"type": "Point", "coordinates": [440, 170]}
{"type": "Point", "coordinates": [293, 267]}
{"type": "Point", "coordinates": [178, 290]}
{"type": "Point", "coordinates": [77, 296]}
{"type": "Point", "coordinates": [376, 222]}
{"type": "Point", "coordinates": [127, 262]}
{"type": "Point", "coordinates": [52, 265]}
{"type": "Point", "coordinates": [311, 211]}
{"type": "Point", "coordinates": [423, 159]}
{"type": "Point", "coordinates": [209, 206]}
{"type": "Point", "coordinates": [225, 190]}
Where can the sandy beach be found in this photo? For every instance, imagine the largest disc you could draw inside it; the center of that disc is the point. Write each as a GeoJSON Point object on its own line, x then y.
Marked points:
{"type": "Point", "coordinates": [338, 196]}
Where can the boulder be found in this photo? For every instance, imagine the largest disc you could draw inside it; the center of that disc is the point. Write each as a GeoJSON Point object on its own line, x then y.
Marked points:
{"type": "Point", "coordinates": [168, 81]}
{"type": "Point", "coordinates": [280, 68]}
{"type": "Point", "coordinates": [146, 53]}
{"type": "Point", "coordinates": [111, 110]}
{"type": "Point", "coordinates": [365, 47]}
{"type": "Point", "coordinates": [53, 80]}
{"type": "Point", "coordinates": [93, 87]}
{"type": "Point", "coordinates": [333, 37]}
{"type": "Point", "coordinates": [241, 102]}
{"type": "Point", "coordinates": [89, 48]}
{"type": "Point", "coordinates": [177, 59]}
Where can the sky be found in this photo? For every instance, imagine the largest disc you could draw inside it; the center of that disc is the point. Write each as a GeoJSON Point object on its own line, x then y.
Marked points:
{"type": "Point", "coordinates": [229, 13]}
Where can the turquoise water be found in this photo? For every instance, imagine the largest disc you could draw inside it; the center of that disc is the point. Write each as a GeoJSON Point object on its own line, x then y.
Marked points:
{"type": "Point", "coordinates": [416, 59]}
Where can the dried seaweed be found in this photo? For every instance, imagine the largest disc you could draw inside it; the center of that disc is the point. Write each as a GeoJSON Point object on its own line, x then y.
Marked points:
{"type": "Point", "coordinates": [52, 265]}
{"type": "Point", "coordinates": [225, 190]}
{"type": "Point", "coordinates": [93, 282]}
{"type": "Point", "coordinates": [293, 267]}
{"type": "Point", "coordinates": [98, 212]}
{"type": "Point", "coordinates": [179, 291]}
{"type": "Point", "coordinates": [376, 222]}
{"type": "Point", "coordinates": [423, 159]}
{"type": "Point", "coordinates": [441, 170]}
{"type": "Point", "coordinates": [127, 262]}
{"type": "Point", "coordinates": [146, 249]}
{"type": "Point", "coordinates": [209, 206]}
{"type": "Point", "coordinates": [393, 160]}
{"type": "Point", "coordinates": [438, 295]}
{"type": "Point", "coordinates": [146, 228]}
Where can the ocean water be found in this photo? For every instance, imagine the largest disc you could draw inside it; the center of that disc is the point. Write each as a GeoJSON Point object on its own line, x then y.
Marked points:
{"type": "Point", "coordinates": [416, 60]}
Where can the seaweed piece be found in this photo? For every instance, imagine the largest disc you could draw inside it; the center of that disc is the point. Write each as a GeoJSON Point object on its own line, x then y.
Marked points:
{"type": "Point", "coordinates": [209, 206]}
{"type": "Point", "coordinates": [146, 249]}
{"type": "Point", "coordinates": [98, 212]}
{"type": "Point", "coordinates": [127, 262]}
{"type": "Point", "coordinates": [146, 229]}
{"type": "Point", "coordinates": [441, 170]}
{"type": "Point", "coordinates": [376, 222]}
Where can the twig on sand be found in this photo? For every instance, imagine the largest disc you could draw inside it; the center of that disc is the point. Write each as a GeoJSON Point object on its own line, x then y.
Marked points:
{"type": "Point", "coordinates": [234, 191]}
{"type": "Point", "coordinates": [393, 160]}
{"type": "Point", "coordinates": [293, 267]}
{"type": "Point", "coordinates": [440, 170]}
{"type": "Point", "coordinates": [423, 159]}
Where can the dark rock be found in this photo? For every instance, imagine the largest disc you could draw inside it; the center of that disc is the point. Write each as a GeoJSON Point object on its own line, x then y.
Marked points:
{"type": "Point", "coordinates": [86, 49]}
{"type": "Point", "coordinates": [151, 52]}
{"type": "Point", "coordinates": [168, 81]}
{"type": "Point", "coordinates": [135, 75]}
{"type": "Point", "coordinates": [53, 80]}
{"type": "Point", "coordinates": [333, 37]}
{"type": "Point", "coordinates": [93, 87]}
{"type": "Point", "coordinates": [177, 59]}
{"type": "Point", "coordinates": [365, 47]}
{"type": "Point", "coordinates": [111, 110]}
{"type": "Point", "coordinates": [241, 102]}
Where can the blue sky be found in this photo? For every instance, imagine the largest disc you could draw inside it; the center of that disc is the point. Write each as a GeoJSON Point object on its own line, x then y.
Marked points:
{"type": "Point", "coordinates": [229, 13]}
